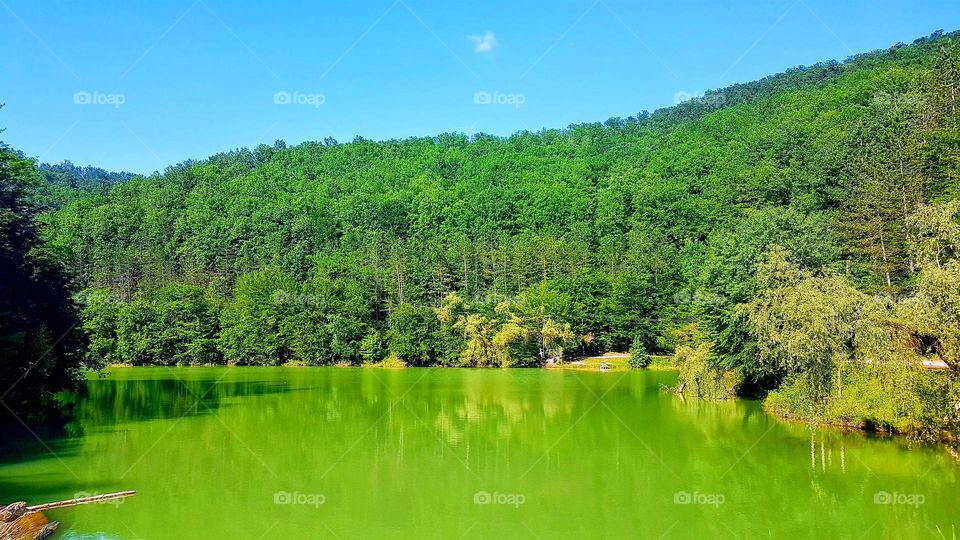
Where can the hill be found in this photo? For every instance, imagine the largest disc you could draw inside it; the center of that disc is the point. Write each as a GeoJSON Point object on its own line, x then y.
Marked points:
{"type": "Point", "coordinates": [677, 232]}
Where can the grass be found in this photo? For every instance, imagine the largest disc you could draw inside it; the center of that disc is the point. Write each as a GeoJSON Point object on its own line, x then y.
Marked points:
{"type": "Point", "coordinates": [617, 362]}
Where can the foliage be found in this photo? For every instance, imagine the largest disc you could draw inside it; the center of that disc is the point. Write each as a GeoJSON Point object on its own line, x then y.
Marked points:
{"type": "Point", "coordinates": [700, 375]}
{"type": "Point", "coordinates": [808, 324]}
{"type": "Point", "coordinates": [773, 235]}
{"type": "Point", "coordinates": [252, 323]}
{"type": "Point", "coordinates": [411, 334]}
{"type": "Point", "coordinates": [851, 359]}
{"type": "Point", "coordinates": [639, 357]}
{"type": "Point", "coordinates": [40, 344]}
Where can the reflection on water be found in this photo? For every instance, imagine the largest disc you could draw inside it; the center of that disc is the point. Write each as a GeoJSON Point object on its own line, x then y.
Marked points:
{"type": "Point", "coordinates": [442, 453]}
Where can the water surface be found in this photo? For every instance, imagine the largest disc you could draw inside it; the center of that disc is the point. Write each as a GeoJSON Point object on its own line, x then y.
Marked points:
{"type": "Point", "coordinates": [268, 453]}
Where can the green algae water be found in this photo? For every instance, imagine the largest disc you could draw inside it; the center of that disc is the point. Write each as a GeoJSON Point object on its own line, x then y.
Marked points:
{"type": "Point", "coordinates": [270, 453]}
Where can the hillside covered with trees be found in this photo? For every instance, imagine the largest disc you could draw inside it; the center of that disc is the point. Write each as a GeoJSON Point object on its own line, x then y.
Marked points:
{"type": "Point", "coordinates": [798, 235]}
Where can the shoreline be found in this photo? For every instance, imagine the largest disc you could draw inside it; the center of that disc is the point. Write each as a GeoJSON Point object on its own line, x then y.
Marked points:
{"type": "Point", "coordinates": [950, 441]}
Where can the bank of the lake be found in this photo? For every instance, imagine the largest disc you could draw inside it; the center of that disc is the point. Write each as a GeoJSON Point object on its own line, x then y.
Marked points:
{"type": "Point", "coordinates": [440, 453]}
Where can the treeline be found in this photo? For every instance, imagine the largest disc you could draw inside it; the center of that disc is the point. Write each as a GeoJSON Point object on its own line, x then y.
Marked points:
{"type": "Point", "coordinates": [65, 182]}
{"type": "Point", "coordinates": [650, 233]}
{"type": "Point", "coordinates": [272, 320]}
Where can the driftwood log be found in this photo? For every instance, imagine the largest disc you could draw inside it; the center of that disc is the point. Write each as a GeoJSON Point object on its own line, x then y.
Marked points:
{"type": "Point", "coordinates": [21, 522]}
{"type": "Point", "coordinates": [18, 522]}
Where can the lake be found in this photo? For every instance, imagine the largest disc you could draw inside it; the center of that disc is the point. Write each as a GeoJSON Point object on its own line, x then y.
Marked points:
{"type": "Point", "coordinates": [281, 453]}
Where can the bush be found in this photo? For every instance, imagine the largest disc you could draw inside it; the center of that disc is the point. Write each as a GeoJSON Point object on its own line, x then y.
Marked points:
{"type": "Point", "coordinates": [392, 361]}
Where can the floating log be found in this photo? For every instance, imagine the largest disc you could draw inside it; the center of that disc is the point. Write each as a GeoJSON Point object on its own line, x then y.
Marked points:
{"type": "Point", "coordinates": [21, 522]}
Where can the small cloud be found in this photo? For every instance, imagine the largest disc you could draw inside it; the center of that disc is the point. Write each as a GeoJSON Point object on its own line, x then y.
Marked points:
{"type": "Point", "coordinates": [484, 43]}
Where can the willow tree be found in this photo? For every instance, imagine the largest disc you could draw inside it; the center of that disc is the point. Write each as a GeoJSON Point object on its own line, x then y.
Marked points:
{"type": "Point", "coordinates": [936, 233]}
{"type": "Point", "coordinates": [480, 338]}
{"type": "Point", "coordinates": [934, 310]}
{"type": "Point", "coordinates": [807, 325]}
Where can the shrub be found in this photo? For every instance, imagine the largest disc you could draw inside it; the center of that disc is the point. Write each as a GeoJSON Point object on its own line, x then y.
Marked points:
{"type": "Point", "coordinates": [639, 358]}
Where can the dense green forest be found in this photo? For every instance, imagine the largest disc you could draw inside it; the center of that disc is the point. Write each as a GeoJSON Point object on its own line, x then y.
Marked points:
{"type": "Point", "coordinates": [797, 236]}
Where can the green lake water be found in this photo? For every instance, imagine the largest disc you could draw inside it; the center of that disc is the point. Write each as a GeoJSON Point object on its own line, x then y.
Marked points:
{"type": "Point", "coordinates": [268, 453]}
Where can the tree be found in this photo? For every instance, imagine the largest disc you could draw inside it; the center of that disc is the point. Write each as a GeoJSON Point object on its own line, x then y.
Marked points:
{"type": "Point", "coordinates": [701, 376]}
{"type": "Point", "coordinates": [411, 335]}
{"type": "Point", "coordinates": [933, 313]}
{"type": "Point", "coordinates": [539, 310]}
{"type": "Point", "coordinates": [807, 324]}
{"type": "Point", "coordinates": [100, 315]}
{"type": "Point", "coordinates": [251, 322]}
{"type": "Point", "coordinates": [888, 185]}
{"type": "Point", "coordinates": [511, 342]}
{"type": "Point", "coordinates": [173, 325]}
{"type": "Point", "coordinates": [936, 233]}
{"type": "Point", "coordinates": [41, 346]}
{"type": "Point", "coordinates": [480, 338]}
{"type": "Point", "coordinates": [639, 358]}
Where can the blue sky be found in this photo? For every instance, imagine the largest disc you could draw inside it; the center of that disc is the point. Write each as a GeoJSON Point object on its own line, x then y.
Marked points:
{"type": "Point", "coordinates": [139, 85]}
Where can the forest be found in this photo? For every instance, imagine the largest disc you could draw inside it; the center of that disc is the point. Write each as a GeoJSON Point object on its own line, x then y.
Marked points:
{"type": "Point", "coordinates": [795, 238]}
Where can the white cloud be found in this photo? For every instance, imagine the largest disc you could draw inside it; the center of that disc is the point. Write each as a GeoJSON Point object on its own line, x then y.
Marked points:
{"type": "Point", "coordinates": [484, 43]}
